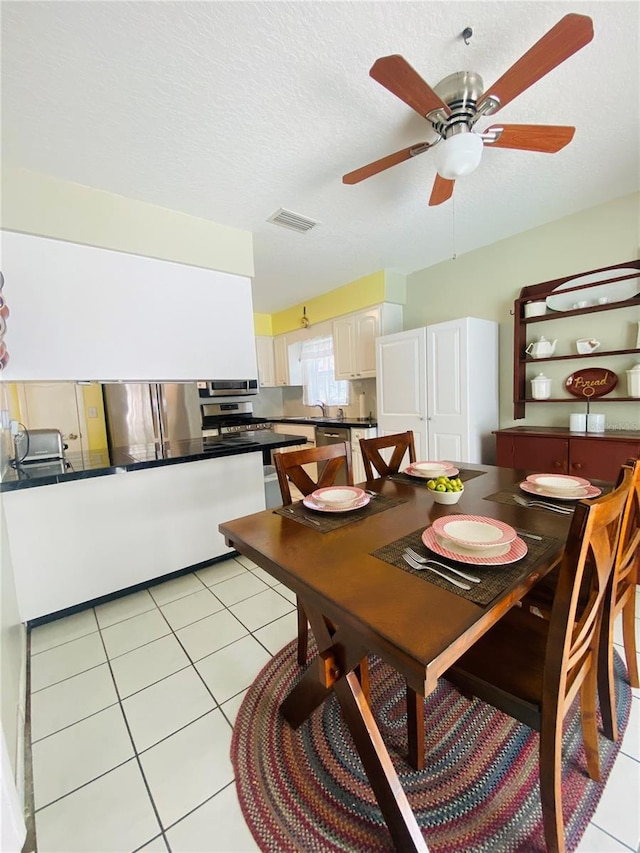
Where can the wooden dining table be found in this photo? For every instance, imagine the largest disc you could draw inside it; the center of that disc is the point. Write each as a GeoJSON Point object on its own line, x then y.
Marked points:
{"type": "Point", "coordinates": [358, 604]}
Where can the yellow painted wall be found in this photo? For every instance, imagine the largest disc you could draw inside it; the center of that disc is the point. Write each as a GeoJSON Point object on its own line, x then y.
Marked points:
{"type": "Point", "coordinates": [381, 286]}
{"type": "Point", "coordinates": [48, 207]}
{"type": "Point", "coordinates": [262, 324]}
{"type": "Point", "coordinates": [96, 429]}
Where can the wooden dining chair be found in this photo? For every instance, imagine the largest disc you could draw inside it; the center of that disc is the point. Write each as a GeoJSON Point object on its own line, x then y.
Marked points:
{"type": "Point", "coordinates": [331, 459]}
{"type": "Point", "coordinates": [626, 575]}
{"type": "Point", "coordinates": [401, 442]}
{"type": "Point", "coordinates": [532, 669]}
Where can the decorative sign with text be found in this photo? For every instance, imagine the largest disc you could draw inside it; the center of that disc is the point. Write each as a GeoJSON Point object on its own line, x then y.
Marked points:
{"type": "Point", "coordinates": [591, 382]}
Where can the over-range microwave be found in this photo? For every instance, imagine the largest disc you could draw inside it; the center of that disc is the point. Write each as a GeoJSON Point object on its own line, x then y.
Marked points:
{"type": "Point", "coordinates": [227, 388]}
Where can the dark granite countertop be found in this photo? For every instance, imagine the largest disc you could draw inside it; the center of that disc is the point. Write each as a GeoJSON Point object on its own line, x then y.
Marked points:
{"type": "Point", "coordinates": [347, 422]}
{"type": "Point", "coordinates": [80, 466]}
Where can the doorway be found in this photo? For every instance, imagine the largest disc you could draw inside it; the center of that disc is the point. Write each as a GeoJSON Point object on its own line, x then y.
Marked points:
{"type": "Point", "coordinates": [55, 405]}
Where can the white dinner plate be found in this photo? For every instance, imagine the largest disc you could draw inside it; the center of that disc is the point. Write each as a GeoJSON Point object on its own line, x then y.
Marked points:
{"type": "Point", "coordinates": [473, 532]}
{"type": "Point", "coordinates": [337, 496]}
{"type": "Point", "coordinates": [588, 492]}
{"type": "Point", "coordinates": [559, 484]}
{"type": "Point", "coordinates": [311, 504]}
{"type": "Point", "coordinates": [517, 550]}
{"type": "Point", "coordinates": [431, 474]}
{"type": "Point", "coordinates": [486, 551]}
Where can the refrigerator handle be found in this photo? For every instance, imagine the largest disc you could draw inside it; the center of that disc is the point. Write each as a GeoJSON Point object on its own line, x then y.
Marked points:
{"type": "Point", "coordinates": [155, 393]}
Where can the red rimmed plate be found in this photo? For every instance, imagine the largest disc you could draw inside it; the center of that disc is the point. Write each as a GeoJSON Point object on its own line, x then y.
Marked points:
{"type": "Point", "coordinates": [587, 493]}
{"type": "Point", "coordinates": [337, 496]}
{"type": "Point", "coordinates": [473, 532]}
{"type": "Point", "coordinates": [562, 484]}
{"type": "Point", "coordinates": [439, 469]}
{"type": "Point", "coordinates": [311, 504]}
{"type": "Point", "coordinates": [517, 550]}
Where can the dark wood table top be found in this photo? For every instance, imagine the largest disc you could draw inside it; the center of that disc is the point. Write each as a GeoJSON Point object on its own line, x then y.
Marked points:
{"type": "Point", "coordinates": [417, 627]}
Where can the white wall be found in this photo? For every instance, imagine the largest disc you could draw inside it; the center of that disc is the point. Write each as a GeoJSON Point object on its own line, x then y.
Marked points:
{"type": "Point", "coordinates": [38, 204]}
{"type": "Point", "coordinates": [81, 312]}
{"type": "Point", "coordinates": [484, 283]}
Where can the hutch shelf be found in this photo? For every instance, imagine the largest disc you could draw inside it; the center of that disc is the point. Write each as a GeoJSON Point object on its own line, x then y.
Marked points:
{"type": "Point", "coordinates": [602, 279]}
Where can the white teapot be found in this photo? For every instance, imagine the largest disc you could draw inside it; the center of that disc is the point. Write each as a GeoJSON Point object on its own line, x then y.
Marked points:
{"type": "Point", "coordinates": [542, 348]}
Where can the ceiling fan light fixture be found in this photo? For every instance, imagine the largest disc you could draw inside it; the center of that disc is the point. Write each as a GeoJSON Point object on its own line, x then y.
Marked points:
{"type": "Point", "coordinates": [458, 155]}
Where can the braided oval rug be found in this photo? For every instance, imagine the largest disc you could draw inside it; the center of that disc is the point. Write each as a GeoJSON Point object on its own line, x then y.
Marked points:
{"type": "Point", "coordinates": [307, 791]}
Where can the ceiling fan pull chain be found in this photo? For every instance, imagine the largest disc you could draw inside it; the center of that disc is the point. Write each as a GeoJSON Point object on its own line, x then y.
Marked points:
{"type": "Point", "coordinates": [453, 227]}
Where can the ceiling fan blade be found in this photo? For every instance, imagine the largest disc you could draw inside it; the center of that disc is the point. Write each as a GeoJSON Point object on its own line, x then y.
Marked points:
{"type": "Point", "coordinates": [569, 35]}
{"type": "Point", "coordinates": [442, 190]}
{"type": "Point", "coordinates": [384, 163]}
{"type": "Point", "coordinates": [396, 75]}
{"type": "Point", "coordinates": [547, 138]}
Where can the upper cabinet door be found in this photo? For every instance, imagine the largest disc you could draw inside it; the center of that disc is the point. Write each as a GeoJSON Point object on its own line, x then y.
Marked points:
{"type": "Point", "coordinates": [367, 329]}
{"type": "Point", "coordinates": [79, 312]}
{"type": "Point", "coordinates": [344, 330]}
{"type": "Point", "coordinates": [354, 339]}
{"type": "Point", "coordinates": [266, 361]}
{"type": "Point", "coordinates": [281, 360]}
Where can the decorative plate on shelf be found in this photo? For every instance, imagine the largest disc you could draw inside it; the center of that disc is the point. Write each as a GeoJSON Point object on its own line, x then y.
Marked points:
{"type": "Point", "coordinates": [614, 291]}
{"type": "Point", "coordinates": [591, 382]}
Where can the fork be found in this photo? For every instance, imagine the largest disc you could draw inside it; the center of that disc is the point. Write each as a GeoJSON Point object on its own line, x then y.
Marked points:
{"type": "Point", "coordinates": [415, 565]}
{"type": "Point", "coordinates": [428, 561]}
{"type": "Point", "coordinates": [306, 517]}
{"type": "Point", "coordinates": [542, 505]}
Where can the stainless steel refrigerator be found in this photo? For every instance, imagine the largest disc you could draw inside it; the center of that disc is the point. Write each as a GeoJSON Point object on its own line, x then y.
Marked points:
{"type": "Point", "coordinates": [151, 413]}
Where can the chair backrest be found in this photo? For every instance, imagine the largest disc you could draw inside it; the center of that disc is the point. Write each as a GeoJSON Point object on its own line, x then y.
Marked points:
{"type": "Point", "coordinates": [585, 571]}
{"type": "Point", "coordinates": [330, 458]}
{"type": "Point", "coordinates": [372, 458]}
{"type": "Point", "coordinates": [627, 563]}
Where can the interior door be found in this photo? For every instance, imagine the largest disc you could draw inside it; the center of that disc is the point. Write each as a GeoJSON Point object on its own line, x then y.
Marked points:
{"type": "Point", "coordinates": [401, 386]}
{"type": "Point", "coordinates": [54, 405]}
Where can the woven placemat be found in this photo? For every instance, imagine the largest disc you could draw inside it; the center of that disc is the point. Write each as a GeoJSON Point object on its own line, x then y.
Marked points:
{"type": "Point", "coordinates": [327, 521]}
{"type": "Point", "coordinates": [495, 579]}
{"type": "Point", "coordinates": [465, 474]}
{"type": "Point", "coordinates": [505, 496]}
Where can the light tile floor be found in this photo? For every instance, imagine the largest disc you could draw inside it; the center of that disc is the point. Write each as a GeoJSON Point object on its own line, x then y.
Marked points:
{"type": "Point", "coordinates": [133, 704]}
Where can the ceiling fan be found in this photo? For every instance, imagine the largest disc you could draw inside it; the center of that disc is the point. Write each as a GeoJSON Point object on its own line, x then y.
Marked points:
{"type": "Point", "coordinates": [457, 102]}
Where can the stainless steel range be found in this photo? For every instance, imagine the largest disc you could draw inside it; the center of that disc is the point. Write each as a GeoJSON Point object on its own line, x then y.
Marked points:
{"type": "Point", "coordinates": [225, 418]}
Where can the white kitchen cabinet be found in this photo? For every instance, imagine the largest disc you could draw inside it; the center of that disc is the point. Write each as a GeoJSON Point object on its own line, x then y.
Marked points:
{"type": "Point", "coordinates": [441, 382]}
{"type": "Point", "coordinates": [266, 361]}
{"type": "Point", "coordinates": [288, 367]}
{"type": "Point", "coordinates": [354, 339]}
{"type": "Point", "coordinates": [356, 453]}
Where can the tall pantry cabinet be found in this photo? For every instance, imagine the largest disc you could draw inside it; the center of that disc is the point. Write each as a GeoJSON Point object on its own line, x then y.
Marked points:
{"type": "Point", "coordinates": [441, 382]}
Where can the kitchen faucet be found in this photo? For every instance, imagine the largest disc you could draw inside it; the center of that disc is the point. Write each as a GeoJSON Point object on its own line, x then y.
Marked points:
{"type": "Point", "coordinates": [323, 407]}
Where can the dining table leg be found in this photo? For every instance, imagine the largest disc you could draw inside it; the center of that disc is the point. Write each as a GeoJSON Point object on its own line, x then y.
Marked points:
{"type": "Point", "coordinates": [415, 728]}
{"type": "Point", "coordinates": [339, 653]}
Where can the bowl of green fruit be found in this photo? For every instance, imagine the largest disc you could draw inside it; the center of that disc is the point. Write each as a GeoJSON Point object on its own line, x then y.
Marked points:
{"type": "Point", "coordinates": [446, 490]}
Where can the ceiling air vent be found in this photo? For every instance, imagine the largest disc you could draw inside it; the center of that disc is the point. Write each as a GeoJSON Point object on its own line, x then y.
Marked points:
{"type": "Point", "coordinates": [294, 221]}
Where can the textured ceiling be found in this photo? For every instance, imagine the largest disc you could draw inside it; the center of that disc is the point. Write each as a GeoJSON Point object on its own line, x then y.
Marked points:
{"type": "Point", "coordinates": [231, 110]}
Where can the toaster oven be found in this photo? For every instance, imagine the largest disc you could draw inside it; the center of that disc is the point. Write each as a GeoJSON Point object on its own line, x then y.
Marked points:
{"type": "Point", "coordinates": [36, 445]}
